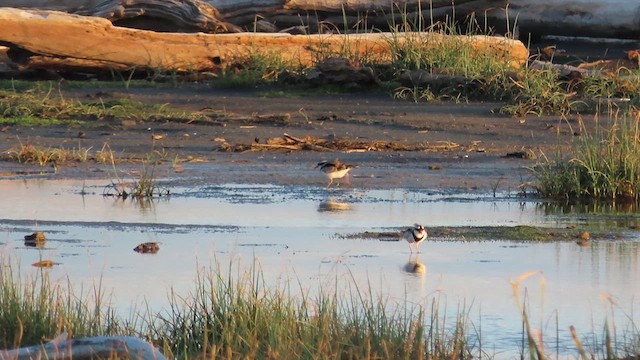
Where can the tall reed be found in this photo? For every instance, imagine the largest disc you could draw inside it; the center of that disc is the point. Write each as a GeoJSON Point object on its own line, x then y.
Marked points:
{"type": "Point", "coordinates": [240, 316]}
{"type": "Point", "coordinates": [606, 164]}
{"type": "Point", "coordinates": [243, 317]}
{"type": "Point", "coordinates": [35, 309]}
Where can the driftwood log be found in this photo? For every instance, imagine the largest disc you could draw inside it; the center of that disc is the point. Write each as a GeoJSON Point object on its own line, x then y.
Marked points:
{"type": "Point", "coordinates": [365, 5]}
{"type": "Point", "coordinates": [594, 18]}
{"type": "Point", "coordinates": [101, 347]}
{"type": "Point", "coordinates": [162, 15]}
{"type": "Point", "coordinates": [43, 39]}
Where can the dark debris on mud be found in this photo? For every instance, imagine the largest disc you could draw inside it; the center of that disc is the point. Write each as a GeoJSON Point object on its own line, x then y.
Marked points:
{"type": "Point", "coordinates": [522, 233]}
{"type": "Point", "coordinates": [310, 143]}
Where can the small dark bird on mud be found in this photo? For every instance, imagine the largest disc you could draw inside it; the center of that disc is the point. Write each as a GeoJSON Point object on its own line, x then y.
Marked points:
{"type": "Point", "coordinates": [415, 235]}
{"type": "Point", "coordinates": [335, 170]}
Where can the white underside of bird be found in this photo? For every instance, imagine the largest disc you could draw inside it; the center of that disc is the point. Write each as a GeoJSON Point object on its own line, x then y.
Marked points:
{"type": "Point", "coordinates": [338, 173]}
{"type": "Point", "coordinates": [335, 170]}
{"type": "Point", "coordinates": [415, 235]}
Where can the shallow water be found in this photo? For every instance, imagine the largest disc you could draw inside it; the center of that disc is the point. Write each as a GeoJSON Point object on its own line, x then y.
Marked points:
{"type": "Point", "coordinates": [292, 234]}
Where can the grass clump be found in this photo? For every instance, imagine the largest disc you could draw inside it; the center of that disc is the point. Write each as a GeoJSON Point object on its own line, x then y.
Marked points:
{"type": "Point", "coordinates": [537, 92]}
{"type": "Point", "coordinates": [606, 164]}
{"type": "Point", "coordinates": [34, 107]}
{"type": "Point", "coordinates": [625, 84]}
{"type": "Point", "coordinates": [457, 69]}
{"type": "Point", "coordinates": [456, 56]}
{"type": "Point", "coordinates": [31, 109]}
{"type": "Point", "coordinates": [144, 188]}
{"type": "Point", "coordinates": [227, 318]}
{"type": "Point", "coordinates": [34, 310]}
{"type": "Point", "coordinates": [47, 156]}
{"type": "Point", "coordinates": [253, 69]}
{"type": "Point", "coordinates": [50, 156]}
{"type": "Point", "coordinates": [241, 317]}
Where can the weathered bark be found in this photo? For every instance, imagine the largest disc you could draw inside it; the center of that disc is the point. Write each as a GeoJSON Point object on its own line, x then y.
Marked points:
{"type": "Point", "coordinates": [590, 18]}
{"type": "Point", "coordinates": [366, 5]}
{"type": "Point", "coordinates": [339, 16]}
{"type": "Point", "coordinates": [40, 39]}
{"type": "Point", "coordinates": [59, 5]}
{"type": "Point", "coordinates": [594, 18]}
{"type": "Point", "coordinates": [162, 15]}
{"type": "Point", "coordinates": [102, 347]}
{"type": "Point", "coordinates": [227, 6]}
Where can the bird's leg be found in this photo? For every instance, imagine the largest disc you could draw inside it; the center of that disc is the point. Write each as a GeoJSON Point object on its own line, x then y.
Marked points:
{"type": "Point", "coordinates": [410, 248]}
{"type": "Point", "coordinates": [330, 181]}
{"type": "Point", "coordinates": [347, 180]}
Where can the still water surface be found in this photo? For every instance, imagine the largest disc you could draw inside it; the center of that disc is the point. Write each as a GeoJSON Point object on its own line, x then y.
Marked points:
{"type": "Point", "coordinates": [293, 234]}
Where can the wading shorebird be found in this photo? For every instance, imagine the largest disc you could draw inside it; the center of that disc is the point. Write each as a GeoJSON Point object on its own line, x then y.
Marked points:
{"type": "Point", "coordinates": [415, 235]}
{"type": "Point", "coordinates": [335, 170]}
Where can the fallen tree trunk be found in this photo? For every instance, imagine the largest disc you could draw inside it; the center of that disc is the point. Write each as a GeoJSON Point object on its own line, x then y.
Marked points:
{"type": "Point", "coordinates": [215, 16]}
{"type": "Point", "coordinates": [337, 6]}
{"type": "Point", "coordinates": [591, 18]}
{"type": "Point", "coordinates": [42, 39]}
{"type": "Point", "coordinates": [585, 18]}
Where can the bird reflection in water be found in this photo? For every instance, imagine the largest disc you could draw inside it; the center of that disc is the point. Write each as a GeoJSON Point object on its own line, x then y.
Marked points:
{"type": "Point", "coordinates": [414, 266]}
{"type": "Point", "coordinates": [331, 205]}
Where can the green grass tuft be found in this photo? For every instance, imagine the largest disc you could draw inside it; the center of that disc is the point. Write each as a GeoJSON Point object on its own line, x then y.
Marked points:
{"type": "Point", "coordinates": [36, 309]}
{"type": "Point", "coordinates": [239, 316]}
{"type": "Point", "coordinates": [38, 108]}
{"type": "Point", "coordinates": [606, 165]}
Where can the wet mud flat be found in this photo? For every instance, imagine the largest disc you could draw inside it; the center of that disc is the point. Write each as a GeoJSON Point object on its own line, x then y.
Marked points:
{"type": "Point", "coordinates": [463, 147]}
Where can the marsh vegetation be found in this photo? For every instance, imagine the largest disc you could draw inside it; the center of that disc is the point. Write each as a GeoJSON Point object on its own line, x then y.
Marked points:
{"type": "Point", "coordinates": [604, 163]}
{"type": "Point", "coordinates": [239, 316]}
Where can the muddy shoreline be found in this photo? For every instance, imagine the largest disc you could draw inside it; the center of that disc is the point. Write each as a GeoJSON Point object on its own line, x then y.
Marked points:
{"type": "Point", "coordinates": [463, 146]}
{"type": "Point", "coordinates": [479, 161]}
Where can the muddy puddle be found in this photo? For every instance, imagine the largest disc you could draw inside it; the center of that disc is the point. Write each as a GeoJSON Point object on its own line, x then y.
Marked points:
{"type": "Point", "coordinates": [292, 234]}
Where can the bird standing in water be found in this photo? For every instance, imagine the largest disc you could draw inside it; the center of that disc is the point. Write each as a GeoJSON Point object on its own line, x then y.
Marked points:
{"type": "Point", "coordinates": [415, 235]}
{"type": "Point", "coordinates": [335, 170]}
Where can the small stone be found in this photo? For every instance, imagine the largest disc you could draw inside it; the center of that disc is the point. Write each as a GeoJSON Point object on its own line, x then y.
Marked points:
{"type": "Point", "coordinates": [43, 264]}
{"type": "Point", "coordinates": [147, 248]}
{"type": "Point", "coordinates": [583, 243]}
{"type": "Point", "coordinates": [36, 236]}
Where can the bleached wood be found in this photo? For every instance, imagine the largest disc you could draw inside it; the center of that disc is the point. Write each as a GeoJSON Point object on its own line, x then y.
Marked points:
{"type": "Point", "coordinates": [62, 41]}
{"type": "Point", "coordinates": [174, 15]}
{"type": "Point", "coordinates": [591, 18]}
{"type": "Point", "coordinates": [586, 18]}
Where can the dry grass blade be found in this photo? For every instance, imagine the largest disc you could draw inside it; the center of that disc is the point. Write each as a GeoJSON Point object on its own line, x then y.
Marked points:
{"type": "Point", "coordinates": [576, 340]}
